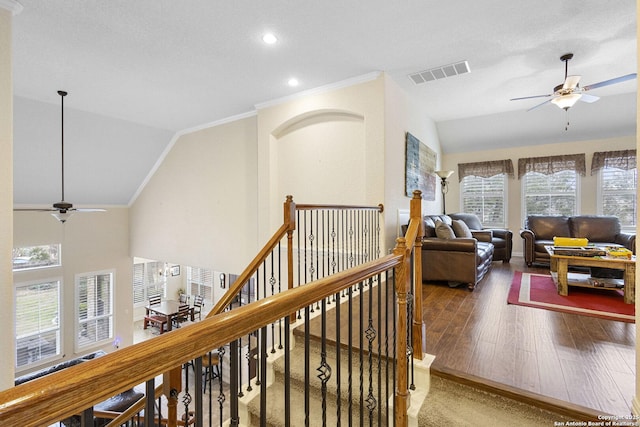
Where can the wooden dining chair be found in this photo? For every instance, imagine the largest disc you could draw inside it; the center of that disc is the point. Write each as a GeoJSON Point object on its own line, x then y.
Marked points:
{"type": "Point", "coordinates": [155, 299]}
{"type": "Point", "coordinates": [198, 304]}
{"type": "Point", "coordinates": [211, 369]}
{"type": "Point", "coordinates": [184, 313]}
{"type": "Point", "coordinates": [183, 299]}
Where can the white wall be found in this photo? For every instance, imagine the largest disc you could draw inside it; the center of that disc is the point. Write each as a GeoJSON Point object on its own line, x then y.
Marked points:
{"type": "Point", "coordinates": [588, 183]}
{"type": "Point", "coordinates": [91, 242]}
{"type": "Point", "coordinates": [403, 115]}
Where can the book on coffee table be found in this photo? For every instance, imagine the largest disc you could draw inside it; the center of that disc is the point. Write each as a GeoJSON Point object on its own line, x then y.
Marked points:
{"type": "Point", "coordinates": [585, 251]}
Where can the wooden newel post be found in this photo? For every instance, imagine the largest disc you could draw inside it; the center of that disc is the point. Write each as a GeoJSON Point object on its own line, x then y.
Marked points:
{"type": "Point", "coordinates": [402, 287]}
{"type": "Point", "coordinates": [415, 213]}
{"type": "Point", "coordinates": [171, 386]}
{"type": "Point", "coordinates": [290, 220]}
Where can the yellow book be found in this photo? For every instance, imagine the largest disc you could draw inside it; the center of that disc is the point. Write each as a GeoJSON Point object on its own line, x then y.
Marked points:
{"type": "Point", "coordinates": [570, 241]}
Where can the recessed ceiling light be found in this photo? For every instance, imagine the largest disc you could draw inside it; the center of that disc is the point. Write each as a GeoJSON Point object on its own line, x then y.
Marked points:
{"type": "Point", "coordinates": [269, 38]}
{"type": "Point", "coordinates": [293, 82]}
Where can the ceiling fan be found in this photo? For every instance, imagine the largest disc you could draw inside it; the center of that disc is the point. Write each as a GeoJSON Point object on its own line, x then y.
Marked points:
{"type": "Point", "coordinates": [62, 210]}
{"type": "Point", "coordinates": [565, 95]}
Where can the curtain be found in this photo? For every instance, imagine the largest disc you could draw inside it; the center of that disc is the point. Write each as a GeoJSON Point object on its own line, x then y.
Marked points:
{"type": "Point", "coordinates": [624, 159]}
{"type": "Point", "coordinates": [551, 164]}
{"type": "Point", "coordinates": [485, 169]}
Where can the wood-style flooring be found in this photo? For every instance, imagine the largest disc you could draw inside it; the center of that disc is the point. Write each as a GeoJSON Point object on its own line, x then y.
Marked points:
{"type": "Point", "coordinates": [568, 359]}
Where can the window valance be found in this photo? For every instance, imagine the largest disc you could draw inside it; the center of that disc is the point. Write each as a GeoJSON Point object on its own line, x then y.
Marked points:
{"type": "Point", "coordinates": [551, 164]}
{"type": "Point", "coordinates": [623, 159]}
{"type": "Point", "coordinates": [485, 169]}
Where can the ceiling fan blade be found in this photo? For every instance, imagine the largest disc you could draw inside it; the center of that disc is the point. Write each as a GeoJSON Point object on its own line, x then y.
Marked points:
{"type": "Point", "coordinates": [530, 97]}
{"type": "Point", "coordinates": [588, 98]}
{"type": "Point", "coordinates": [88, 210]}
{"type": "Point", "coordinates": [571, 82]}
{"type": "Point", "coordinates": [610, 81]}
{"type": "Point", "coordinates": [34, 210]}
{"type": "Point", "coordinates": [540, 105]}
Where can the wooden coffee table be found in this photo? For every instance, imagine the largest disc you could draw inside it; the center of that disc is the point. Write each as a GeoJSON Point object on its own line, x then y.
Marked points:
{"type": "Point", "coordinates": [560, 268]}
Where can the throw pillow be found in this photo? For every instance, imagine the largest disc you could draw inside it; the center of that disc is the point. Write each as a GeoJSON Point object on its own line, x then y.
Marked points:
{"type": "Point", "coordinates": [460, 228]}
{"type": "Point", "coordinates": [444, 231]}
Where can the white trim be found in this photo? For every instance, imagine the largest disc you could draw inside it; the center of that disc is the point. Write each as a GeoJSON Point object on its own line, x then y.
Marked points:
{"type": "Point", "coordinates": [12, 6]}
{"type": "Point", "coordinates": [320, 89]}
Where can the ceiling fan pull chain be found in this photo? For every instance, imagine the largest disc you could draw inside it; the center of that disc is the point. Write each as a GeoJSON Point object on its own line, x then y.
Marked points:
{"type": "Point", "coordinates": [566, 127]}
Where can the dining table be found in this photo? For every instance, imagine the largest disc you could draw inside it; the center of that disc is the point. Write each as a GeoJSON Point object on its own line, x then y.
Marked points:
{"type": "Point", "coordinates": [169, 309]}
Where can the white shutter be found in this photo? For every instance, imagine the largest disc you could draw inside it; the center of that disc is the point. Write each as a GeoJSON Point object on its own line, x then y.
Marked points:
{"type": "Point", "coordinates": [37, 311]}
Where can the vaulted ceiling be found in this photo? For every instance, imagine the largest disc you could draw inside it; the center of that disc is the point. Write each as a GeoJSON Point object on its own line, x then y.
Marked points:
{"type": "Point", "coordinates": [139, 71]}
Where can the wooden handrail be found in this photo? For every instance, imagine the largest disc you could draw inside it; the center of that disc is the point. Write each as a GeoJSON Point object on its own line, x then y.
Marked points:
{"type": "Point", "coordinates": [58, 396]}
{"type": "Point", "coordinates": [309, 207]}
{"type": "Point", "coordinates": [244, 277]}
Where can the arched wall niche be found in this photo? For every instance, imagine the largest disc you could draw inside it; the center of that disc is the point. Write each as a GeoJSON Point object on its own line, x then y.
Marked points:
{"type": "Point", "coordinates": [320, 157]}
{"type": "Point", "coordinates": [312, 117]}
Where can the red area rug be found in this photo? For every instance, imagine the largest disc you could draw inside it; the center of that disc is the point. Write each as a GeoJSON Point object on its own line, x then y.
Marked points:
{"type": "Point", "coordinates": [537, 290]}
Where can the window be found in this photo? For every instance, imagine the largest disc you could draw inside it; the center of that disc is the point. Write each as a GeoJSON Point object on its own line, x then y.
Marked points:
{"type": "Point", "coordinates": [550, 184]}
{"type": "Point", "coordinates": [37, 309]}
{"type": "Point", "coordinates": [200, 282]}
{"type": "Point", "coordinates": [30, 257]}
{"type": "Point", "coordinates": [94, 308]}
{"type": "Point", "coordinates": [483, 190]}
{"type": "Point", "coordinates": [149, 279]}
{"type": "Point", "coordinates": [555, 194]}
{"type": "Point", "coordinates": [485, 197]}
{"type": "Point", "coordinates": [617, 179]}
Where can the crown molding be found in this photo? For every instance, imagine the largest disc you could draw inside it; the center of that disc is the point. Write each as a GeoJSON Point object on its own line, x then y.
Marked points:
{"type": "Point", "coordinates": [12, 6]}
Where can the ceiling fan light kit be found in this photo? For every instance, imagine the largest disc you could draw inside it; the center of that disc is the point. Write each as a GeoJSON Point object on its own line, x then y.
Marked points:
{"type": "Point", "coordinates": [569, 92]}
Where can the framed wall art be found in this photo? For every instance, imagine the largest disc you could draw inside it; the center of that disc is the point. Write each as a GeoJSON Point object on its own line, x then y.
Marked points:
{"type": "Point", "coordinates": [420, 165]}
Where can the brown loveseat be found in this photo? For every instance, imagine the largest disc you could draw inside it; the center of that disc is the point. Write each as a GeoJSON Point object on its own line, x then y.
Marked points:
{"type": "Point", "coordinates": [539, 231]}
{"type": "Point", "coordinates": [455, 260]}
{"type": "Point", "coordinates": [502, 239]}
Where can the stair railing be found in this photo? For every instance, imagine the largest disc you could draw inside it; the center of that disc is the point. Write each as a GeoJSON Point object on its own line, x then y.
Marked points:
{"type": "Point", "coordinates": [77, 389]}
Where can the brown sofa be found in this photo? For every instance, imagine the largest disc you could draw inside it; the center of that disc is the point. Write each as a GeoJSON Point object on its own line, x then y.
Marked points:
{"type": "Point", "coordinates": [458, 260]}
{"type": "Point", "coordinates": [502, 239]}
{"type": "Point", "coordinates": [539, 231]}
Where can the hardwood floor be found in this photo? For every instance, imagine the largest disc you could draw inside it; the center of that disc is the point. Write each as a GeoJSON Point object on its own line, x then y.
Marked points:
{"type": "Point", "coordinates": [575, 359]}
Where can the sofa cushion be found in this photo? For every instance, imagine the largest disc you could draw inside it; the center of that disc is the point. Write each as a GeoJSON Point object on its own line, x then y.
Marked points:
{"type": "Point", "coordinates": [444, 231]}
{"type": "Point", "coordinates": [546, 227]}
{"type": "Point", "coordinates": [603, 229]}
{"type": "Point", "coordinates": [472, 220]}
{"type": "Point", "coordinates": [460, 228]}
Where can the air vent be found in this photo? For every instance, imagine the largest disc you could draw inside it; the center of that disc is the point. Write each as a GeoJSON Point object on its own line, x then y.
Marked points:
{"type": "Point", "coordinates": [442, 72]}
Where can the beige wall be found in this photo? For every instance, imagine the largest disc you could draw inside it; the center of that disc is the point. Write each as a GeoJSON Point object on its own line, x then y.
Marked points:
{"type": "Point", "coordinates": [341, 122]}
{"type": "Point", "coordinates": [199, 208]}
{"type": "Point", "coordinates": [588, 183]}
{"type": "Point", "coordinates": [91, 242]}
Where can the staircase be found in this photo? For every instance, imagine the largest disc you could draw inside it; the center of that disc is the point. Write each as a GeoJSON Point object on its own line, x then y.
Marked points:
{"type": "Point", "coordinates": [366, 390]}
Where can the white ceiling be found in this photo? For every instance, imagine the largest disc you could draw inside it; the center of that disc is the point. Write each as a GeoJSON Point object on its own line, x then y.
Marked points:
{"type": "Point", "coordinates": [161, 66]}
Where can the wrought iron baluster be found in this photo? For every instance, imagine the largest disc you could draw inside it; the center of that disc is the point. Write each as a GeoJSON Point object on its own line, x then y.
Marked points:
{"type": "Point", "coordinates": [149, 409]}
{"type": "Point", "coordinates": [350, 355]}
{"type": "Point", "coordinates": [263, 381]}
{"type": "Point", "coordinates": [233, 386]}
{"type": "Point", "coordinates": [221, 395]}
{"type": "Point", "coordinates": [371, 336]}
{"type": "Point", "coordinates": [287, 373]}
{"type": "Point", "coordinates": [307, 382]}
{"type": "Point", "coordinates": [338, 366]}
{"type": "Point", "coordinates": [324, 370]}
